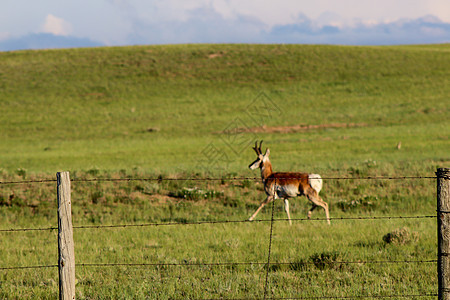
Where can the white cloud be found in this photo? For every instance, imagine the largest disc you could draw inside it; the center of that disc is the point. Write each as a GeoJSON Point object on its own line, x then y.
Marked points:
{"type": "Point", "coordinates": [439, 8]}
{"type": "Point", "coordinates": [208, 24]}
{"type": "Point", "coordinates": [202, 25]}
{"type": "Point", "coordinates": [56, 26]}
{"type": "Point", "coordinates": [4, 35]}
{"type": "Point", "coordinates": [428, 29]}
{"type": "Point", "coordinates": [127, 22]}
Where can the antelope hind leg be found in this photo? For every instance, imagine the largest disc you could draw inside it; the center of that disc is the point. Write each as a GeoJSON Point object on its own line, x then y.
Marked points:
{"type": "Point", "coordinates": [316, 200]}
{"type": "Point", "coordinates": [286, 208]}
{"type": "Point", "coordinates": [311, 210]}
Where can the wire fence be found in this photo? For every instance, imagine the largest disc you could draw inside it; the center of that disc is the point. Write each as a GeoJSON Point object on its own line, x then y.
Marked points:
{"type": "Point", "coordinates": [272, 220]}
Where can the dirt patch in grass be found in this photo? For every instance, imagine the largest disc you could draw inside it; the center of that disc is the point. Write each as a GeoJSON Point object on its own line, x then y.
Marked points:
{"type": "Point", "coordinates": [293, 128]}
{"type": "Point", "coordinates": [214, 55]}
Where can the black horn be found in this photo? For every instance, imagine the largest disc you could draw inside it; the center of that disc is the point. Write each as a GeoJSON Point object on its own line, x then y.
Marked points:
{"type": "Point", "coordinates": [258, 151]}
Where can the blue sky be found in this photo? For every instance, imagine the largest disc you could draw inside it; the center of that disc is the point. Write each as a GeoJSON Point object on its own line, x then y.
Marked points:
{"type": "Point", "coordinates": [28, 24]}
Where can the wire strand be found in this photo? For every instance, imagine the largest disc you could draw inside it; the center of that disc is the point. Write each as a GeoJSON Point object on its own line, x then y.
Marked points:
{"type": "Point", "coordinates": [28, 267]}
{"type": "Point", "coordinates": [220, 222]}
{"type": "Point", "coordinates": [247, 221]}
{"type": "Point", "coordinates": [213, 179]}
{"type": "Point", "coordinates": [28, 229]}
{"type": "Point", "coordinates": [220, 264]}
{"type": "Point", "coordinates": [410, 296]}
{"type": "Point", "coordinates": [232, 264]}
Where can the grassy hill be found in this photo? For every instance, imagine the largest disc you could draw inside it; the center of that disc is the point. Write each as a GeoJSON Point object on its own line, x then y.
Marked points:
{"type": "Point", "coordinates": [159, 108]}
{"type": "Point", "coordinates": [196, 110]}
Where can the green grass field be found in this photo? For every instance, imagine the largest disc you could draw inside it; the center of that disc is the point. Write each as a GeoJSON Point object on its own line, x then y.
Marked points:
{"type": "Point", "coordinates": [191, 111]}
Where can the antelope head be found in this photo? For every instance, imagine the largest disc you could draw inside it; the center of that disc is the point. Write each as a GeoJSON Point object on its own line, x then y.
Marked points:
{"type": "Point", "coordinates": [259, 162]}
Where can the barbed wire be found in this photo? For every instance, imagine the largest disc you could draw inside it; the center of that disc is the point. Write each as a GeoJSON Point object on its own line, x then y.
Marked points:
{"type": "Point", "coordinates": [334, 297]}
{"type": "Point", "coordinates": [233, 264]}
{"type": "Point", "coordinates": [247, 221]}
{"type": "Point", "coordinates": [28, 267]}
{"type": "Point", "coordinates": [221, 222]}
{"type": "Point", "coordinates": [28, 181]}
{"type": "Point", "coordinates": [226, 264]}
{"type": "Point", "coordinates": [251, 178]}
{"type": "Point", "coordinates": [213, 179]}
{"type": "Point", "coordinates": [28, 229]}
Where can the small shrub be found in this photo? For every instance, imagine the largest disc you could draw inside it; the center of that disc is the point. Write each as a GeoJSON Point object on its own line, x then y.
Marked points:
{"type": "Point", "coordinates": [5, 201]}
{"type": "Point", "coordinates": [227, 177]}
{"type": "Point", "coordinates": [325, 260]}
{"type": "Point", "coordinates": [96, 196]}
{"type": "Point", "coordinates": [139, 188]}
{"type": "Point", "coordinates": [195, 194]}
{"type": "Point", "coordinates": [232, 243]}
{"type": "Point", "coordinates": [401, 236]}
{"type": "Point", "coordinates": [12, 200]}
{"type": "Point", "coordinates": [22, 173]}
{"type": "Point", "coordinates": [93, 172]}
{"type": "Point", "coordinates": [363, 170]}
{"type": "Point", "coordinates": [151, 188]}
{"type": "Point", "coordinates": [246, 183]}
{"type": "Point", "coordinates": [368, 203]}
{"type": "Point", "coordinates": [370, 163]}
{"type": "Point", "coordinates": [321, 261]}
{"type": "Point", "coordinates": [211, 194]}
{"type": "Point", "coordinates": [232, 201]}
{"type": "Point", "coordinates": [358, 172]}
{"type": "Point", "coordinates": [300, 265]}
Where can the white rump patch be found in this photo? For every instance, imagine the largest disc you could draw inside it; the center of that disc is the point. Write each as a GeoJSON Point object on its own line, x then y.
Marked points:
{"type": "Point", "coordinates": [316, 182]}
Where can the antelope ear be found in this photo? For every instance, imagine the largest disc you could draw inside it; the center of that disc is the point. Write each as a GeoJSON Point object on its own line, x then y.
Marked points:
{"type": "Point", "coordinates": [267, 153]}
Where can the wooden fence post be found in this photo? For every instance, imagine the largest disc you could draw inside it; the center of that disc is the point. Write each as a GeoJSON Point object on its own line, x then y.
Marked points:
{"type": "Point", "coordinates": [443, 205]}
{"type": "Point", "coordinates": [66, 263]}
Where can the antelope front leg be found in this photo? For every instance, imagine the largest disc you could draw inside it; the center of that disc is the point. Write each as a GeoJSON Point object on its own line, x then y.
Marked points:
{"type": "Point", "coordinates": [268, 200]}
{"type": "Point", "coordinates": [286, 208]}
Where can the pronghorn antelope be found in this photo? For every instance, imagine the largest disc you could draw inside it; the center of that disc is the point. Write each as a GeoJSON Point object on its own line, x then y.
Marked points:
{"type": "Point", "coordinates": [287, 185]}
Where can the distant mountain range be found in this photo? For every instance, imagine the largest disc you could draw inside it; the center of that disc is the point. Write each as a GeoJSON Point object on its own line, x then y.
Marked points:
{"type": "Point", "coordinates": [46, 41]}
